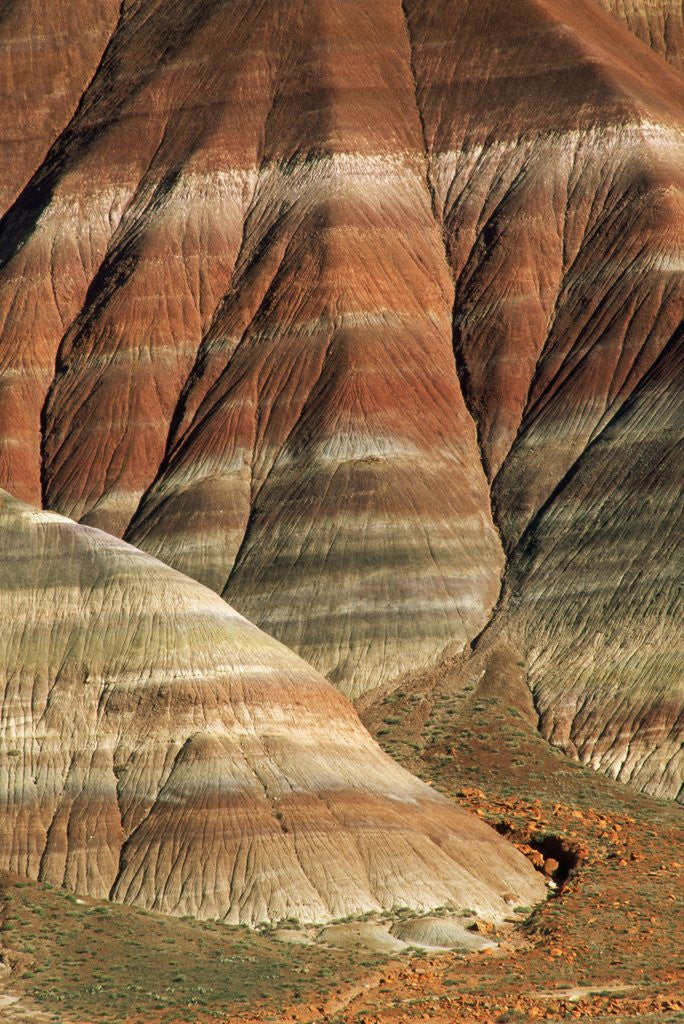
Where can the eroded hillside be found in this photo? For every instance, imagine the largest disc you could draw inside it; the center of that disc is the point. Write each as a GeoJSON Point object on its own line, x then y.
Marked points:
{"type": "Point", "coordinates": [160, 750]}
{"type": "Point", "coordinates": [329, 305]}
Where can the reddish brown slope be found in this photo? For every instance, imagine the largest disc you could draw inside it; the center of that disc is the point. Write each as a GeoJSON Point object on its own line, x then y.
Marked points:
{"type": "Point", "coordinates": [556, 158]}
{"type": "Point", "coordinates": [596, 595]}
{"type": "Point", "coordinates": [122, 244]}
{"type": "Point", "coordinates": [556, 163]}
{"type": "Point", "coordinates": [361, 183]}
{"type": "Point", "coordinates": [49, 51]}
{"type": "Point", "coordinates": [325, 475]}
{"type": "Point", "coordinates": [301, 151]}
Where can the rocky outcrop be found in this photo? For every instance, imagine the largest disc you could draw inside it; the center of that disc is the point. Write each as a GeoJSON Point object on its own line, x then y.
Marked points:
{"type": "Point", "coordinates": [158, 748]}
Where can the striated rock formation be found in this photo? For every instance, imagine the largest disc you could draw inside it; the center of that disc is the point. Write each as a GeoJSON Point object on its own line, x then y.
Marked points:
{"type": "Point", "coordinates": [563, 218]}
{"type": "Point", "coordinates": [323, 474]}
{"type": "Point", "coordinates": [564, 215]}
{"type": "Point", "coordinates": [301, 290]}
{"type": "Point", "coordinates": [49, 51]}
{"type": "Point", "coordinates": [118, 249]}
{"type": "Point", "coordinates": [158, 748]}
{"type": "Point", "coordinates": [322, 470]}
{"type": "Point", "coordinates": [658, 23]}
{"type": "Point", "coordinates": [596, 594]}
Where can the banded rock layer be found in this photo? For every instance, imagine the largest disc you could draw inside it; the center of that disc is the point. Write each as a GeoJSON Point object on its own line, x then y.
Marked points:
{"type": "Point", "coordinates": [49, 50]}
{"type": "Point", "coordinates": [159, 749]}
{"type": "Point", "coordinates": [563, 213]}
{"type": "Point", "coordinates": [303, 291]}
{"type": "Point", "coordinates": [249, 297]}
{"type": "Point", "coordinates": [600, 611]}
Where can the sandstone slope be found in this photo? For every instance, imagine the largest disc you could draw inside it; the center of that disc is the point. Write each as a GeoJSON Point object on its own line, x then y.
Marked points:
{"type": "Point", "coordinates": [158, 748]}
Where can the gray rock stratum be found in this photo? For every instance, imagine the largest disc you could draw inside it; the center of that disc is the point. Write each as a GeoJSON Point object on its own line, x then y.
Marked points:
{"type": "Point", "coordinates": [157, 748]}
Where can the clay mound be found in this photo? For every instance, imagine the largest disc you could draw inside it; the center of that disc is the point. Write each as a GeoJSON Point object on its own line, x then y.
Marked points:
{"type": "Point", "coordinates": [556, 158]}
{"type": "Point", "coordinates": [158, 748]}
{"type": "Point", "coordinates": [440, 932]}
{"type": "Point", "coordinates": [556, 155]}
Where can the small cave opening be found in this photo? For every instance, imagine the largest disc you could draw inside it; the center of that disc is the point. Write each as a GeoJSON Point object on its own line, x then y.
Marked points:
{"type": "Point", "coordinates": [555, 857]}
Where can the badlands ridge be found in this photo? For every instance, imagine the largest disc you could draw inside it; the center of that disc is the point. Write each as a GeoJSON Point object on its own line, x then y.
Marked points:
{"type": "Point", "coordinates": [363, 320]}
